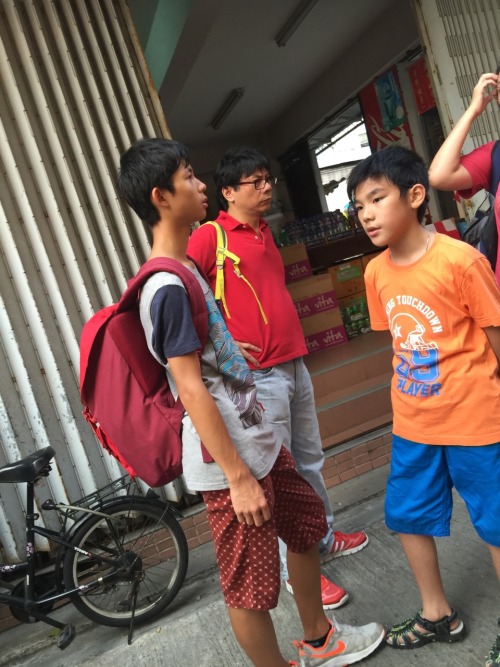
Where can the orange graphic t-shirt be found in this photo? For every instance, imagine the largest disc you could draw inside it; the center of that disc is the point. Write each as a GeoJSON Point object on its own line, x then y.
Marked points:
{"type": "Point", "coordinates": [445, 389]}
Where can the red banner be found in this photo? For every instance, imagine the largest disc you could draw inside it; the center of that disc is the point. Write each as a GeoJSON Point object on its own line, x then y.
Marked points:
{"type": "Point", "coordinates": [384, 112]}
{"type": "Point", "coordinates": [421, 85]}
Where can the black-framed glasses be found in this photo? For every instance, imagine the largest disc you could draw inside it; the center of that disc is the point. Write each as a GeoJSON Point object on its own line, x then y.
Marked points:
{"type": "Point", "coordinates": [260, 183]}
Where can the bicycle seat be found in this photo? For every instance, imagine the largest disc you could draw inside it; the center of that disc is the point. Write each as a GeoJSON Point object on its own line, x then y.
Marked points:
{"type": "Point", "coordinates": [27, 469]}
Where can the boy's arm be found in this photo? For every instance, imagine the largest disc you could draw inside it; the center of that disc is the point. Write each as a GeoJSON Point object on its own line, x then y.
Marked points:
{"type": "Point", "coordinates": [247, 496]}
{"type": "Point", "coordinates": [445, 171]}
{"type": "Point", "coordinates": [493, 335]}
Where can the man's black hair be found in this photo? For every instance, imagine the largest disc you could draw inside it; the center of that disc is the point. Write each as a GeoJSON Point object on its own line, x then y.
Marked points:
{"type": "Point", "coordinates": [400, 166]}
{"type": "Point", "coordinates": [148, 164]}
{"type": "Point", "coordinates": [236, 164]}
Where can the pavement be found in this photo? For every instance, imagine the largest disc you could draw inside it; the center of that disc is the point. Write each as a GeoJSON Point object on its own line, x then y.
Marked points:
{"type": "Point", "coordinates": [194, 631]}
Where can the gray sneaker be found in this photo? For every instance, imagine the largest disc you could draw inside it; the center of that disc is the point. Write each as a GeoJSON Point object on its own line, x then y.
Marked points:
{"type": "Point", "coordinates": [345, 645]}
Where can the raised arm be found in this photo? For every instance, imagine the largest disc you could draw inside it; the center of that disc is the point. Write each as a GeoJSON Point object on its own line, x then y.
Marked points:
{"type": "Point", "coordinates": [445, 171]}
{"type": "Point", "coordinates": [247, 496]}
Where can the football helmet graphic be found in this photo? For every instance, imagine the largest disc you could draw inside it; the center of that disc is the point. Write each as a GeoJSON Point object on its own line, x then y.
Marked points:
{"type": "Point", "coordinates": [411, 331]}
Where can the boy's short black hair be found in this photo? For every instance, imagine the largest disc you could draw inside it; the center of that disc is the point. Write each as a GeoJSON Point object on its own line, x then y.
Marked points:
{"type": "Point", "coordinates": [237, 163]}
{"type": "Point", "coordinates": [149, 163]}
{"type": "Point", "coordinates": [400, 166]}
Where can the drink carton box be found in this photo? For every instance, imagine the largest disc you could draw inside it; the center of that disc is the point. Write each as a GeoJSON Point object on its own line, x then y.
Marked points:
{"type": "Point", "coordinates": [296, 262]}
{"type": "Point", "coordinates": [313, 295]}
{"type": "Point", "coordinates": [366, 259]}
{"type": "Point", "coordinates": [354, 311]}
{"type": "Point", "coordinates": [324, 330]}
{"type": "Point", "coordinates": [347, 278]}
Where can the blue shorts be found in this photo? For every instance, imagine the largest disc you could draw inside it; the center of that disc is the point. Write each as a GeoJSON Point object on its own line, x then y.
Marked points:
{"type": "Point", "coordinates": [419, 488]}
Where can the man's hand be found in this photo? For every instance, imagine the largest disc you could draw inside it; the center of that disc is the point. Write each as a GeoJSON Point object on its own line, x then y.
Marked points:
{"type": "Point", "coordinates": [245, 349]}
{"type": "Point", "coordinates": [249, 502]}
{"type": "Point", "coordinates": [484, 91]}
{"type": "Point", "coordinates": [446, 172]}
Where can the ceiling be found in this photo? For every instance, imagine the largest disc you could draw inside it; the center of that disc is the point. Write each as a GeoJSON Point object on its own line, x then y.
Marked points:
{"type": "Point", "coordinates": [227, 44]}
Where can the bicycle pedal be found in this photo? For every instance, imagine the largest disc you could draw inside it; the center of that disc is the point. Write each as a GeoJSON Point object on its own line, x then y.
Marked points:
{"type": "Point", "coordinates": [68, 633]}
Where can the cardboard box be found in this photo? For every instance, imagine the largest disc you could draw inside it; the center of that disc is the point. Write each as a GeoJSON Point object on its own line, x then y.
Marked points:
{"type": "Point", "coordinates": [366, 259]}
{"type": "Point", "coordinates": [313, 295]}
{"type": "Point", "coordinates": [354, 311]}
{"type": "Point", "coordinates": [296, 261]}
{"type": "Point", "coordinates": [347, 278]}
{"type": "Point", "coordinates": [447, 227]}
{"type": "Point", "coordinates": [353, 303]}
{"type": "Point", "coordinates": [324, 330]}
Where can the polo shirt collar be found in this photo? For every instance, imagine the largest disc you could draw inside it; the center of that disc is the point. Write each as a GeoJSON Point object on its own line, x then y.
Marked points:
{"type": "Point", "coordinates": [231, 223]}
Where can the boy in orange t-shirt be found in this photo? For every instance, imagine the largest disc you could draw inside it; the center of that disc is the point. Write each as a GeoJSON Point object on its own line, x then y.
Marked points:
{"type": "Point", "coordinates": [439, 299]}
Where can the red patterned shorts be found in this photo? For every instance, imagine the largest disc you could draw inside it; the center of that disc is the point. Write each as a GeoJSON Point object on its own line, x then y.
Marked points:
{"type": "Point", "coordinates": [248, 556]}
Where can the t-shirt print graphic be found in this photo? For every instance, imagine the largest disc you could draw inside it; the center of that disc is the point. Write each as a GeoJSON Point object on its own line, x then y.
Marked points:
{"type": "Point", "coordinates": [237, 377]}
{"type": "Point", "coordinates": [417, 366]}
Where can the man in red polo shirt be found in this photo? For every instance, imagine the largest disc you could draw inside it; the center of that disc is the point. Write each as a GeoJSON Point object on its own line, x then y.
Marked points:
{"type": "Point", "coordinates": [261, 317]}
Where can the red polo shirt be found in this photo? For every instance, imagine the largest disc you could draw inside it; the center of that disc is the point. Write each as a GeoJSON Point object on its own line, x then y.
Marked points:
{"type": "Point", "coordinates": [260, 262]}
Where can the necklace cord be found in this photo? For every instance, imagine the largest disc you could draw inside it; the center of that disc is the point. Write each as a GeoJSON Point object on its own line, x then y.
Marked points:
{"type": "Point", "coordinates": [426, 244]}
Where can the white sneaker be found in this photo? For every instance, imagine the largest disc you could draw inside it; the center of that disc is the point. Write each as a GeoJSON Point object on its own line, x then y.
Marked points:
{"type": "Point", "coordinates": [345, 645]}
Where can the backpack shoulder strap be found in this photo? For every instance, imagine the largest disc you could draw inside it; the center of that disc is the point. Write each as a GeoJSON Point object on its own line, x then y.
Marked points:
{"type": "Point", "coordinates": [193, 289]}
{"type": "Point", "coordinates": [221, 253]}
{"type": "Point", "coordinates": [495, 168]}
{"type": "Point", "coordinates": [90, 332]}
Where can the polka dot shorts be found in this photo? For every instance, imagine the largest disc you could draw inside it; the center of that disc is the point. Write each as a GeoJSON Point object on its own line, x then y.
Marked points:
{"type": "Point", "coordinates": [248, 556]}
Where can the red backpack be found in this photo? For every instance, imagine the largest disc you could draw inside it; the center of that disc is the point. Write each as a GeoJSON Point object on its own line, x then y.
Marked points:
{"type": "Point", "coordinates": [124, 389]}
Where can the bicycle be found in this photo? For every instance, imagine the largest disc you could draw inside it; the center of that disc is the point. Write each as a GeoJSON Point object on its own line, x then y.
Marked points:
{"type": "Point", "coordinates": [120, 559]}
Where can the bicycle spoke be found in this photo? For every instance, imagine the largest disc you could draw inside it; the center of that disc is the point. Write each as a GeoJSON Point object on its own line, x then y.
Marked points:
{"type": "Point", "coordinates": [150, 557]}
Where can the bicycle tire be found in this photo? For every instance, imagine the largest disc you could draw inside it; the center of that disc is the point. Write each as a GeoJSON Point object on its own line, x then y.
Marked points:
{"type": "Point", "coordinates": [151, 543]}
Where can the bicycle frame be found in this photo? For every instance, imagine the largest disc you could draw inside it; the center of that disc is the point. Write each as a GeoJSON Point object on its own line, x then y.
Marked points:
{"type": "Point", "coordinates": [111, 544]}
{"type": "Point", "coordinates": [94, 555]}
{"type": "Point", "coordinates": [29, 602]}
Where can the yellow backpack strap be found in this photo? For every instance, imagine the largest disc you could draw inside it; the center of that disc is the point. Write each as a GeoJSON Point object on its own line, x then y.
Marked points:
{"type": "Point", "coordinates": [221, 253]}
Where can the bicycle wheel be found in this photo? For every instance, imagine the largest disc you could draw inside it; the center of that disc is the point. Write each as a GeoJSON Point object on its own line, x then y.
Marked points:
{"type": "Point", "coordinates": [150, 554]}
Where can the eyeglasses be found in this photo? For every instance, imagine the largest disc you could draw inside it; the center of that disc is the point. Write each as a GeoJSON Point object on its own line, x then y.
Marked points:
{"type": "Point", "coordinates": [260, 183]}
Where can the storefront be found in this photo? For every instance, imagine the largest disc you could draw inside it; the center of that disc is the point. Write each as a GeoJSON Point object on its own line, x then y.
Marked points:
{"type": "Point", "coordinates": [396, 107]}
{"type": "Point", "coordinates": [405, 103]}
{"type": "Point", "coordinates": [413, 100]}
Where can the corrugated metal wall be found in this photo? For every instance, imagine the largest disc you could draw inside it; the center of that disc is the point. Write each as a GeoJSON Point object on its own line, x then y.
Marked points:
{"type": "Point", "coordinates": [462, 42]}
{"type": "Point", "coordinates": [74, 93]}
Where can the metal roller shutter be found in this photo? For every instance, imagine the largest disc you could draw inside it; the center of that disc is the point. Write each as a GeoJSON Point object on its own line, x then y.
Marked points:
{"type": "Point", "coordinates": [74, 93]}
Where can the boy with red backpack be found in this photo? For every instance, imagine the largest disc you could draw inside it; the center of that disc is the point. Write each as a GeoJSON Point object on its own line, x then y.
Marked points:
{"type": "Point", "coordinates": [251, 488]}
